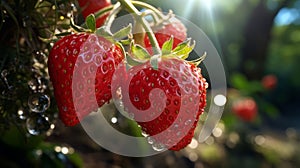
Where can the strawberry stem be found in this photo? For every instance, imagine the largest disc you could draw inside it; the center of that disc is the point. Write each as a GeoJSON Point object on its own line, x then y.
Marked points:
{"type": "Point", "coordinates": [103, 11]}
{"type": "Point", "coordinates": [147, 6]}
{"type": "Point", "coordinates": [139, 17]}
{"type": "Point", "coordinates": [110, 19]}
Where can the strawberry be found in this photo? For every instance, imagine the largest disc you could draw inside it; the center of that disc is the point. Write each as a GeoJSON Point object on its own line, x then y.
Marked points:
{"type": "Point", "coordinates": [182, 88]}
{"type": "Point", "coordinates": [92, 6]}
{"type": "Point", "coordinates": [165, 30]}
{"type": "Point", "coordinates": [81, 66]}
{"type": "Point", "coordinates": [269, 82]}
{"type": "Point", "coordinates": [245, 108]}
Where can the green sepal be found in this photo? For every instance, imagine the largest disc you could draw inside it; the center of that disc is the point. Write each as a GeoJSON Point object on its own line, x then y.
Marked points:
{"type": "Point", "coordinates": [122, 33]}
{"type": "Point", "coordinates": [154, 61]}
{"type": "Point", "coordinates": [167, 46]}
{"type": "Point", "coordinates": [184, 49]}
{"type": "Point", "coordinates": [90, 22]}
{"type": "Point", "coordinates": [139, 52]}
{"type": "Point", "coordinates": [182, 45]}
{"type": "Point", "coordinates": [197, 61]}
{"type": "Point", "coordinates": [132, 61]}
{"type": "Point", "coordinates": [125, 42]}
{"type": "Point", "coordinates": [103, 32]}
{"type": "Point", "coordinates": [76, 27]}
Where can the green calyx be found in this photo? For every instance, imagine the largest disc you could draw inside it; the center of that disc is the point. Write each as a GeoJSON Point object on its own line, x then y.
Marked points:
{"type": "Point", "coordinates": [90, 22]}
{"type": "Point", "coordinates": [104, 31]}
{"type": "Point", "coordinates": [139, 55]}
{"type": "Point", "coordinates": [113, 37]}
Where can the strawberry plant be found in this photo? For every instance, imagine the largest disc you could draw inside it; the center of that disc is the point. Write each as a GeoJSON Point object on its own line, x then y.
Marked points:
{"type": "Point", "coordinates": [97, 63]}
{"type": "Point", "coordinates": [269, 82]}
{"type": "Point", "coordinates": [245, 108]}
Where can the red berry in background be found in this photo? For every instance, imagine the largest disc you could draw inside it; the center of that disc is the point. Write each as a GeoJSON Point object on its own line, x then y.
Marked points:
{"type": "Point", "coordinates": [269, 82]}
{"type": "Point", "coordinates": [185, 98]}
{"type": "Point", "coordinates": [91, 6]}
{"type": "Point", "coordinates": [81, 67]}
{"type": "Point", "coordinates": [245, 108]}
{"type": "Point", "coordinates": [173, 27]}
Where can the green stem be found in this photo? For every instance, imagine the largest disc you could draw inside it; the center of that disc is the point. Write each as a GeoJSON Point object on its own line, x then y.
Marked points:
{"type": "Point", "coordinates": [110, 19]}
{"type": "Point", "coordinates": [127, 4]}
{"type": "Point", "coordinates": [147, 6]}
{"type": "Point", "coordinates": [103, 11]}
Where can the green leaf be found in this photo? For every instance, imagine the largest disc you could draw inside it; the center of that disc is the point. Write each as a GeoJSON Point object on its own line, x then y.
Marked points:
{"type": "Point", "coordinates": [167, 46]}
{"type": "Point", "coordinates": [15, 137]}
{"type": "Point", "coordinates": [239, 81]}
{"type": "Point", "coordinates": [76, 159]}
{"type": "Point", "coordinates": [124, 32]}
{"type": "Point", "coordinates": [140, 52]}
{"type": "Point", "coordinates": [91, 22]}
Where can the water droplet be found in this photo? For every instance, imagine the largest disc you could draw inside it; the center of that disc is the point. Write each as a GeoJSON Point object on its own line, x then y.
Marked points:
{"type": "Point", "coordinates": [150, 140]}
{"type": "Point", "coordinates": [176, 126]}
{"type": "Point", "coordinates": [144, 134]}
{"type": "Point", "coordinates": [158, 147]}
{"type": "Point", "coordinates": [4, 73]}
{"type": "Point", "coordinates": [38, 102]}
{"type": "Point", "coordinates": [33, 84]}
{"type": "Point", "coordinates": [131, 115]}
{"type": "Point", "coordinates": [22, 113]}
{"type": "Point", "coordinates": [37, 124]}
{"type": "Point", "coordinates": [188, 122]}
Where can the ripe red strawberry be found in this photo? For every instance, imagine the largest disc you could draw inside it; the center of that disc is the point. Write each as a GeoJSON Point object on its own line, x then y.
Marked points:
{"type": "Point", "coordinates": [91, 6]}
{"type": "Point", "coordinates": [269, 82]}
{"type": "Point", "coordinates": [81, 67]}
{"type": "Point", "coordinates": [173, 27]}
{"type": "Point", "coordinates": [183, 89]}
{"type": "Point", "coordinates": [245, 108]}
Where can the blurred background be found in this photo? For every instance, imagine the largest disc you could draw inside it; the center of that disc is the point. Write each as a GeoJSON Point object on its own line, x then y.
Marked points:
{"type": "Point", "coordinates": [257, 40]}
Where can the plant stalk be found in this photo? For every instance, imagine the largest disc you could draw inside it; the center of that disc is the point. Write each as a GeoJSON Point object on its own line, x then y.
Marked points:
{"type": "Point", "coordinates": [127, 4]}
